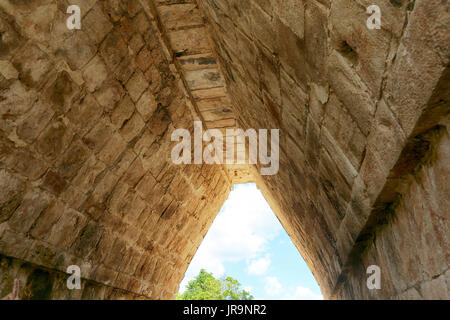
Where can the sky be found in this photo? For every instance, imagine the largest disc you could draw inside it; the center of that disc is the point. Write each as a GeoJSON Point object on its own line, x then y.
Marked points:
{"type": "Point", "coordinates": [247, 242]}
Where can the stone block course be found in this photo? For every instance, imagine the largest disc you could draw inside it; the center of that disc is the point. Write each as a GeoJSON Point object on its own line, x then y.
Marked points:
{"type": "Point", "coordinates": [86, 118]}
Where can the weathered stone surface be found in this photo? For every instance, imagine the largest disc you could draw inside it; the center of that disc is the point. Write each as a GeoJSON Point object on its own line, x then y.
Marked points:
{"type": "Point", "coordinates": [180, 15]}
{"type": "Point", "coordinates": [95, 73]}
{"type": "Point", "coordinates": [191, 41]}
{"type": "Point", "coordinates": [86, 118]}
{"type": "Point", "coordinates": [136, 85]}
{"type": "Point", "coordinates": [351, 128]}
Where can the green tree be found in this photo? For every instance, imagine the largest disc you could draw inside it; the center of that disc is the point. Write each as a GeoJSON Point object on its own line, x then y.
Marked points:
{"type": "Point", "coordinates": [231, 290]}
{"type": "Point", "coordinates": [206, 287]}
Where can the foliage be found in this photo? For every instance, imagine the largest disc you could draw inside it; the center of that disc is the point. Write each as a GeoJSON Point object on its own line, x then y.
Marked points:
{"type": "Point", "coordinates": [206, 287]}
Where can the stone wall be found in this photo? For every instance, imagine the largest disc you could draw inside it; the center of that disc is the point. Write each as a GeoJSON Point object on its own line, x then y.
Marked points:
{"type": "Point", "coordinates": [411, 242]}
{"type": "Point", "coordinates": [348, 101]}
{"type": "Point", "coordinates": [86, 118]}
{"type": "Point", "coordinates": [85, 171]}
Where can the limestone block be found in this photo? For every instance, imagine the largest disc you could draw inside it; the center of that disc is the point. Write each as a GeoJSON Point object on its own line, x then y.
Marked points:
{"type": "Point", "coordinates": [420, 61]}
{"type": "Point", "coordinates": [88, 239]}
{"type": "Point", "coordinates": [204, 79]}
{"type": "Point", "coordinates": [270, 76]}
{"type": "Point", "coordinates": [85, 5]}
{"type": "Point", "coordinates": [133, 128]}
{"type": "Point", "coordinates": [54, 139]}
{"type": "Point", "coordinates": [343, 164]}
{"type": "Point", "coordinates": [190, 41]}
{"type": "Point", "coordinates": [113, 49]}
{"type": "Point", "coordinates": [8, 70]}
{"type": "Point", "coordinates": [37, 119]}
{"type": "Point", "coordinates": [144, 59]}
{"type": "Point", "coordinates": [316, 41]}
{"type": "Point", "coordinates": [99, 136]}
{"type": "Point", "coordinates": [66, 230]}
{"type": "Point", "coordinates": [136, 85]}
{"type": "Point", "coordinates": [141, 23]}
{"type": "Point", "coordinates": [393, 14]}
{"type": "Point", "coordinates": [95, 73]}
{"type": "Point", "coordinates": [73, 159]}
{"type": "Point", "coordinates": [197, 61]}
{"type": "Point", "coordinates": [11, 194]}
{"type": "Point", "coordinates": [410, 294]}
{"type": "Point", "coordinates": [132, 259]}
{"type": "Point", "coordinates": [147, 139]}
{"type": "Point", "coordinates": [146, 105]}
{"type": "Point", "coordinates": [312, 146]}
{"type": "Point", "coordinates": [365, 49]}
{"type": "Point", "coordinates": [111, 93]}
{"type": "Point", "coordinates": [15, 244]}
{"type": "Point", "coordinates": [135, 44]}
{"type": "Point", "coordinates": [134, 173]}
{"type": "Point", "coordinates": [74, 197]}
{"type": "Point", "coordinates": [33, 65]}
{"type": "Point", "coordinates": [351, 91]}
{"type": "Point", "coordinates": [16, 100]}
{"type": "Point", "coordinates": [292, 14]}
{"type": "Point", "coordinates": [112, 150]}
{"type": "Point", "coordinates": [132, 214]}
{"type": "Point", "coordinates": [96, 24]}
{"type": "Point", "coordinates": [78, 50]}
{"type": "Point", "coordinates": [104, 275]}
{"type": "Point", "coordinates": [125, 70]}
{"type": "Point", "coordinates": [33, 204]}
{"type": "Point", "coordinates": [180, 16]}
{"type": "Point", "coordinates": [11, 38]}
{"type": "Point", "coordinates": [436, 289]}
{"type": "Point", "coordinates": [261, 27]}
{"type": "Point", "coordinates": [86, 175]}
{"type": "Point", "coordinates": [26, 163]}
{"type": "Point", "coordinates": [122, 112]}
{"type": "Point", "coordinates": [60, 91]}
{"type": "Point", "coordinates": [84, 114]}
{"type": "Point", "coordinates": [345, 131]}
{"type": "Point", "coordinates": [386, 134]}
{"type": "Point", "coordinates": [159, 122]}
{"type": "Point", "coordinates": [43, 226]}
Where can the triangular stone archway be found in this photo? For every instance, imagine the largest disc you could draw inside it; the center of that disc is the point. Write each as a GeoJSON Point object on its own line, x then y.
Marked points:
{"type": "Point", "coordinates": [86, 118]}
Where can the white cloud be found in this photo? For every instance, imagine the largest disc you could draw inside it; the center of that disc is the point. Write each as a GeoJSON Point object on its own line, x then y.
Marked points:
{"type": "Point", "coordinates": [184, 283]}
{"type": "Point", "coordinates": [248, 288]}
{"type": "Point", "coordinates": [275, 289]}
{"type": "Point", "coordinates": [206, 259]}
{"type": "Point", "coordinates": [272, 287]}
{"type": "Point", "coordinates": [241, 232]}
{"type": "Point", "coordinates": [259, 266]}
{"type": "Point", "coordinates": [302, 293]}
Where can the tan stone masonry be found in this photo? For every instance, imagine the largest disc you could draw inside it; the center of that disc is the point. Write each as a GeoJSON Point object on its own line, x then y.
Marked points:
{"type": "Point", "coordinates": [86, 117]}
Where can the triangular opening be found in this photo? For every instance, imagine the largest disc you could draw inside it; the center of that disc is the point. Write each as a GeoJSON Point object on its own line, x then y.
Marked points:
{"type": "Point", "coordinates": [248, 243]}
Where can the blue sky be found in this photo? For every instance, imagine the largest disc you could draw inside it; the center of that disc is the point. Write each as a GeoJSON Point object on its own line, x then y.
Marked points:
{"type": "Point", "coordinates": [247, 242]}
